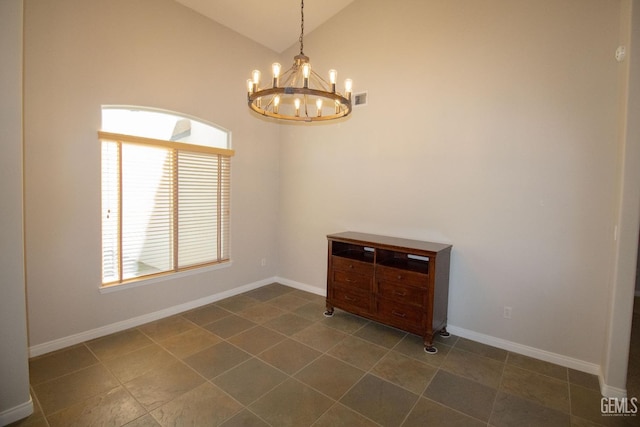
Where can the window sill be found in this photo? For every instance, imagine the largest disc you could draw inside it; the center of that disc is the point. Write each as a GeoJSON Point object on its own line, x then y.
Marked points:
{"type": "Point", "coordinates": [156, 279]}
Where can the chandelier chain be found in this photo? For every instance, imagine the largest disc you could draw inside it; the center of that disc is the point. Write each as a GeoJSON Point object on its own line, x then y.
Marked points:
{"type": "Point", "coordinates": [301, 26]}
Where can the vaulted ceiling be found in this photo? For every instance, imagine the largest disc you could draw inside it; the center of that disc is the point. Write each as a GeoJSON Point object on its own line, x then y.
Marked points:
{"type": "Point", "coordinates": [272, 23]}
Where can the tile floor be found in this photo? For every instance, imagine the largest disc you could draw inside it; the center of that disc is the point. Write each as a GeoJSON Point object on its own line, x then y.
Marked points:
{"type": "Point", "coordinates": [270, 358]}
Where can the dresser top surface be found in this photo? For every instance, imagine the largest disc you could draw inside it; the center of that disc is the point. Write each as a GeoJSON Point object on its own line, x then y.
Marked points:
{"type": "Point", "coordinates": [389, 242]}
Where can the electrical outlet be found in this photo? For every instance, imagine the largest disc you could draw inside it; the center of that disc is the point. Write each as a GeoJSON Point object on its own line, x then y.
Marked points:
{"type": "Point", "coordinates": [263, 262]}
{"type": "Point", "coordinates": [507, 312]}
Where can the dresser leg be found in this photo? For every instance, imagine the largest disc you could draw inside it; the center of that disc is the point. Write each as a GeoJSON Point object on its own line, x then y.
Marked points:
{"type": "Point", "coordinates": [430, 349]}
{"type": "Point", "coordinates": [444, 333]}
{"type": "Point", "coordinates": [428, 344]}
{"type": "Point", "coordinates": [329, 312]}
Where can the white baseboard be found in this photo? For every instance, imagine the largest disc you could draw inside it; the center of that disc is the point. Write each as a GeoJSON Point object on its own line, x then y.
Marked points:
{"type": "Point", "coordinates": [57, 344]}
{"type": "Point", "coordinates": [302, 286]}
{"type": "Point", "coordinates": [16, 413]}
{"type": "Point", "coordinates": [536, 353]}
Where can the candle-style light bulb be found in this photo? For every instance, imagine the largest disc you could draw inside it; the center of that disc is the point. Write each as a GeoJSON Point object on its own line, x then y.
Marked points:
{"type": "Point", "coordinates": [306, 72]}
{"type": "Point", "coordinates": [333, 77]}
{"type": "Point", "coordinates": [276, 103]}
{"type": "Point", "coordinates": [348, 87]}
{"type": "Point", "coordinates": [276, 73]}
{"type": "Point", "coordinates": [319, 106]}
{"type": "Point", "coordinates": [296, 102]}
{"type": "Point", "coordinates": [250, 86]}
{"type": "Point", "coordinates": [256, 79]}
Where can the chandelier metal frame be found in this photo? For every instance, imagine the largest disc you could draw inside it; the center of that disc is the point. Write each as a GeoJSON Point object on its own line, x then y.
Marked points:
{"type": "Point", "coordinates": [299, 93]}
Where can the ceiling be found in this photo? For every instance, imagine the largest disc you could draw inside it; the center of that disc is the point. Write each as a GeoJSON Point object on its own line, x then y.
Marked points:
{"type": "Point", "coordinates": [272, 23]}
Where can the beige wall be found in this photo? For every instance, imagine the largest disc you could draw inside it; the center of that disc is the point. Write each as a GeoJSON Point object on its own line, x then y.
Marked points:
{"type": "Point", "coordinates": [491, 125]}
{"type": "Point", "coordinates": [15, 401]}
{"type": "Point", "coordinates": [157, 53]}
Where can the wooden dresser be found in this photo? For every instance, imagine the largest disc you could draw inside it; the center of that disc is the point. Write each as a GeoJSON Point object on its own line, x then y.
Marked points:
{"type": "Point", "coordinates": [399, 282]}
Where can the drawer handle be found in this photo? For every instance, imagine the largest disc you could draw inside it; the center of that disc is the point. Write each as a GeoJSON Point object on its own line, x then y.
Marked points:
{"type": "Point", "coordinates": [400, 294]}
{"type": "Point", "coordinates": [397, 313]}
{"type": "Point", "coordinates": [349, 280]}
{"type": "Point", "coordinates": [348, 298]}
{"type": "Point", "coordinates": [399, 276]}
{"type": "Point", "coordinates": [350, 265]}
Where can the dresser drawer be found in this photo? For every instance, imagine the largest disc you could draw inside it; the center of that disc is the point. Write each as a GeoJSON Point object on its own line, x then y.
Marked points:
{"type": "Point", "coordinates": [402, 293]}
{"type": "Point", "coordinates": [349, 299]}
{"type": "Point", "coordinates": [402, 277]}
{"type": "Point", "coordinates": [351, 280]}
{"type": "Point", "coordinates": [346, 264]}
{"type": "Point", "coordinates": [403, 316]}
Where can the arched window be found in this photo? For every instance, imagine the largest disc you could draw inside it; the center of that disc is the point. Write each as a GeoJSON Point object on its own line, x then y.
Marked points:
{"type": "Point", "coordinates": [166, 183]}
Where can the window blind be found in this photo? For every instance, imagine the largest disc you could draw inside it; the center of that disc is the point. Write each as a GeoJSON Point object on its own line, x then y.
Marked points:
{"type": "Point", "coordinates": [165, 206]}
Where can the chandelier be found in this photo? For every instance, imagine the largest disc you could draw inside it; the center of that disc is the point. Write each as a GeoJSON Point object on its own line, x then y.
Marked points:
{"type": "Point", "coordinates": [299, 93]}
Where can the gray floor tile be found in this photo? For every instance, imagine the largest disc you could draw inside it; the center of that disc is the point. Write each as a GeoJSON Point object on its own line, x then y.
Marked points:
{"type": "Point", "coordinates": [256, 339]}
{"type": "Point", "coordinates": [583, 379]}
{"type": "Point", "coordinates": [538, 388]}
{"type": "Point", "coordinates": [237, 303]}
{"type": "Point", "coordinates": [404, 371]}
{"type": "Point", "coordinates": [380, 401]}
{"type": "Point", "coordinates": [207, 314]}
{"type": "Point", "coordinates": [289, 356]}
{"type": "Point", "coordinates": [358, 352]}
{"type": "Point", "coordinates": [249, 380]}
{"type": "Point", "coordinates": [288, 302]}
{"type": "Point", "coordinates": [481, 349]}
{"type": "Point", "coordinates": [136, 363]}
{"type": "Point", "coordinates": [462, 394]}
{"type": "Point", "coordinates": [159, 386]}
{"type": "Point", "coordinates": [115, 407]}
{"type": "Point", "coordinates": [312, 311]}
{"type": "Point", "coordinates": [412, 346]}
{"type": "Point", "coordinates": [341, 416]}
{"type": "Point", "coordinates": [118, 344]}
{"type": "Point", "coordinates": [61, 362]}
{"type": "Point", "coordinates": [380, 334]}
{"type": "Point", "coordinates": [330, 376]}
{"type": "Point", "coordinates": [167, 327]}
{"type": "Point", "coordinates": [205, 405]}
{"type": "Point", "coordinates": [261, 313]}
{"type": "Point", "coordinates": [319, 337]}
{"type": "Point", "coordinates": [288, 323]}
{"type": "Point", "coordinates": [291, 404]}
{"type": "Point", "coordinates": [539, 366]}
{"type": "Point", "coordinates": [216, 359]}
{"type": "Point", "coordinates": [478, 368]}
{"type": "Point", "coordinates": [190, 342]}
{"type": "Point", "coordinates": [265, 293]}
{"type": "Point", "coordinates": [67, 390]}
{"type": "Point", "coordinates": [433, 414]}
{"type": "Point", "coordinates": [345, 322]}
{"type": "Point", "coordinates": [514, 411]}
{"type": "Point", "coordinates": [144, 421]}
{"type": "Point", "coordinates": [229, 326]}
{"type": "Point", "coordinates": [245, 419]}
